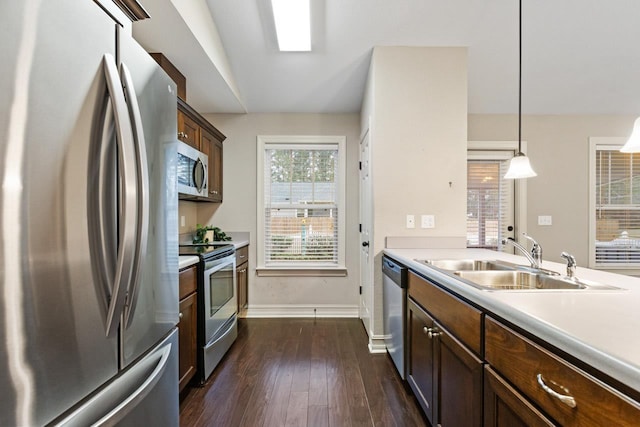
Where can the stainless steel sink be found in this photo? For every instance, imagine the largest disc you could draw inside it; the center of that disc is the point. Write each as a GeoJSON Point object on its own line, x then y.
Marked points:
{"type": "Point", "coordinates": [525, 281]}
{"type": "Point", "coordinates": [468, 264]}
{"type": "Point", "coordinates": [452, 265]}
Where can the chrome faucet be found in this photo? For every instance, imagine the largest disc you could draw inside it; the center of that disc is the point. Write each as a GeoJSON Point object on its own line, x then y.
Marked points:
{"type": "Point", "coordinates": [535, 257]}
{"type": "Point", "coordinates": [571, 264]}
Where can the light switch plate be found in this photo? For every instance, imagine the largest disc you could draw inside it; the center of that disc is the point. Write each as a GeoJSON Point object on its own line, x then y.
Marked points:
{"type": "Point", "coordinates": [182, 221]}
{"type": "Point", "coordinates": [428, 221]}
{"type": "Point", "coordinates": [544, 220]}
{"type": "Point", "coordinates": [411, 221]}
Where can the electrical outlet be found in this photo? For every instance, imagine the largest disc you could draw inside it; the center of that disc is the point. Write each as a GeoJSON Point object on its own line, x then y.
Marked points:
{"type": "Point", "coordinates": [411, 221]}
{"type": "Point", "coordinates": [428, 221]}
{"type": "Point", "coordinates": [545, 220]}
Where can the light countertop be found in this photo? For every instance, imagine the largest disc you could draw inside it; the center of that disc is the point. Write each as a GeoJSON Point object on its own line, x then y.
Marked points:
{"type": "Point", "coordinates": [185, 261]}
{"type": "Point", "coordinates": [599, 327]}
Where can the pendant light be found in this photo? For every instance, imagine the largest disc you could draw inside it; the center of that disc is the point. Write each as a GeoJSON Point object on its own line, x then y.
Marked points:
{"type": "Point", "coordinates": [633, 144]}
{"type": "Point", "coordinates": [520, 167]}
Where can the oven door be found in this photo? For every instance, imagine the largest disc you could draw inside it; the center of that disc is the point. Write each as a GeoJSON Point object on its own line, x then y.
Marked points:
{"type": "Point", "coordinates": [220, 300]}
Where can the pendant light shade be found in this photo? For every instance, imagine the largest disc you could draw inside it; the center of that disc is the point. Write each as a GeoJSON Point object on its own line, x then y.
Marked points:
{"type": "Point", "coordinates": [633, 144]}
{"type": "Point", "coordinates": [520, 167]}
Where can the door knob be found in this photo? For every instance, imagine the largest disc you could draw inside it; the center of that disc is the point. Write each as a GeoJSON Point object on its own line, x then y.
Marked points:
{"type": "Point", "coordinates": [365, 244]}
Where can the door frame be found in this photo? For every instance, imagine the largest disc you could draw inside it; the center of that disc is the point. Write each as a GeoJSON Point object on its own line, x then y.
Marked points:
{"type": "Point", "coordinates": [365, 300]}
{"type": "Point", "coordinates": [520, 187]}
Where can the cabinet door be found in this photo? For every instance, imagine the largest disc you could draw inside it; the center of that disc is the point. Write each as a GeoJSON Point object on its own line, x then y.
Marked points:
{"type": "Point", "coordinates": [210, 146]}
{"type": "Point", "coordinates": [243, 282]}
{"type": "Point", "coordinates": [460, 382]}
{"type": "Point", "coordinates": [421, 371]}
{"type": "Point", "coordinates": [188, 130]}
{"type": "Point", "coordinates": [505, 407]}
{"type": "Point", "coordinates": [188, 343]}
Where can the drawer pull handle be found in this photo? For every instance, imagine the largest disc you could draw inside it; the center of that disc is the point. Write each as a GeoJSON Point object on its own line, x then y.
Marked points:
{"type": "Point", "coordinates": [564, 398]}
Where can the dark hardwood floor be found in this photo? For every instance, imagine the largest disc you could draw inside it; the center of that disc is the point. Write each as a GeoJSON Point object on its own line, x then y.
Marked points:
{"type": "Point", "coordinates": [301, 372]}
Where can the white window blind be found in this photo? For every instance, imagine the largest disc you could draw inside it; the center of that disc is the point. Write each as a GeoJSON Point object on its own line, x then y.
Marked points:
{"type": "Point", "coordinates": [617, 207]}
{"type": "Point", "coordinates": [489, 203]}
{"type": "Point", "coordinates": [302, 194]}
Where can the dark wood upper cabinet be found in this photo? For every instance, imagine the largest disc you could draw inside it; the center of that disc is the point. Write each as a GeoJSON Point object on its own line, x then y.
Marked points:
{"type": "Point", "coordinates": [196, 131]}
{"type": "Point", "coordinates": [210, 146]}
{"type": "Point", "coordinates": [188, 130]}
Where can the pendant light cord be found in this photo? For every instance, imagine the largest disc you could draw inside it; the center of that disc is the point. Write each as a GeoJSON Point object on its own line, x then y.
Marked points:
{"type": "Point", "coordinates": [520, 80]}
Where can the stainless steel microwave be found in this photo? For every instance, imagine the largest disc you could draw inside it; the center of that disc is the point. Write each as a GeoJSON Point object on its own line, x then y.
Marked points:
{"type": "Point", "coordinates": [193, 175]}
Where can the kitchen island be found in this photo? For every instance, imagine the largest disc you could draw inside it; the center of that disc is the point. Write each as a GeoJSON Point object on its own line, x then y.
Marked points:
{"type": "Point", "coordinates": [593, 329]}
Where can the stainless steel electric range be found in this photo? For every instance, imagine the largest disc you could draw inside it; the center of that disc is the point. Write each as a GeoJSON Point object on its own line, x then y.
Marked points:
{"type": "Point", "coordinates": [217, 303]}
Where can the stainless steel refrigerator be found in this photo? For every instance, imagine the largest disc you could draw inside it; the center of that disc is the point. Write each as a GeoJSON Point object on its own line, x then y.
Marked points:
{"type": "Point", "coordinates": [88, 212]}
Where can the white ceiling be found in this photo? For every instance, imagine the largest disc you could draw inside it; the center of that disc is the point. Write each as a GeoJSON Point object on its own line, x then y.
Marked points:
{"type": "Point", "coordinates": [579, 56]}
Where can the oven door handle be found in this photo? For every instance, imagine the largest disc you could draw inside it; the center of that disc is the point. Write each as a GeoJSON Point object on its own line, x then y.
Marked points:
{"type": "Point", "coordinates": [220, 264]}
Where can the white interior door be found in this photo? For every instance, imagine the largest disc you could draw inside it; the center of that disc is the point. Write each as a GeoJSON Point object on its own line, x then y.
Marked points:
{"type": "Point", "coordinates": [366, 261]}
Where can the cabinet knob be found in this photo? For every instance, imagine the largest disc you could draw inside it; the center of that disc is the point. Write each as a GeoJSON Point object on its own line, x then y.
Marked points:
{"type": "Point", "coordinates": [183, 135]}
{"type": "Point", "coordinates": [431, 332]}
{"type": "Point", "coordinates": [180, 315]}
{"type": "Point", "coordinates": [214, 191]}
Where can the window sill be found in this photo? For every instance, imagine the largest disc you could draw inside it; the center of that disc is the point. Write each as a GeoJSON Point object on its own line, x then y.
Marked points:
{"type": "Point", "coordinates": [301, 272]}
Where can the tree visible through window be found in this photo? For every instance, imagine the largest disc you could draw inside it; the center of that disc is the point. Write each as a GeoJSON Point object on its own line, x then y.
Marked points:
{"type": "Point", "coordinates": [301, 212]}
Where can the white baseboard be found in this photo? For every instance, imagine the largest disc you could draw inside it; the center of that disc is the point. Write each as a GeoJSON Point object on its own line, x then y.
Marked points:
{"type": "Point", "coordinates": [376, 344]}
{"type": "Point", "coordinates": [301, 310]}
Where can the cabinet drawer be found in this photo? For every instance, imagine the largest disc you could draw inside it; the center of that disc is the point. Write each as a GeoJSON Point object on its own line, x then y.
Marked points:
{"type": "Point", "coordinates": [242, 255]}
{"type": "Point", "coordinates": [188, 281]}
{"type": "Point", "coordinates": [461, 319]}
{"type": "Point", "coordinates": [522, 361]}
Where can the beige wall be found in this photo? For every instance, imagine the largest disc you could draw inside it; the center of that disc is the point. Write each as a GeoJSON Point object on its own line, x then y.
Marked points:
{"type": "Point", "coordinates": [238, 210]}
{"type": "Point", "coordinates": [416, 100]}
{"type": "Point", "coordinates": [559, 150]}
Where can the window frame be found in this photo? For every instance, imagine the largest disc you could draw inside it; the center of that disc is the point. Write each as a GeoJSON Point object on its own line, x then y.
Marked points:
{"type": "Point", "coordinates": [603, 144]}
{"type": "Point", "coordinates": [265, 142]}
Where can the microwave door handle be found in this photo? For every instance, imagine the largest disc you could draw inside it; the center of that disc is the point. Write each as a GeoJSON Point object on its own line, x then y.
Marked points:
{"type": "Point", "coordinates": [199, 169]}
{"type": "Point", "coordinates": [127, 176]}
{"type": "Point", "coordinates": [142, 232]}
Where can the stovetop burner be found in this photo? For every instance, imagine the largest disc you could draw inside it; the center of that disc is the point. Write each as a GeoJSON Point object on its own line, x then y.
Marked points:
{"type": "Point", "coordinates": [207, 250]}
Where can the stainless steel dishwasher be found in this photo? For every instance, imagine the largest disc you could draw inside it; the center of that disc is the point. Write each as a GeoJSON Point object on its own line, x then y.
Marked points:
{"type": "Point", "coordinates": [394, 284]}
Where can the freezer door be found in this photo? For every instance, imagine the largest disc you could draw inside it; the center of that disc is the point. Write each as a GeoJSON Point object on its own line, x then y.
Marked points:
{"type": "Point", "coordinates": [152, 302]}
{"type": "Point", "coordinates": [132, 399]}
{"type": "Point", "coordinates": [53, 348]}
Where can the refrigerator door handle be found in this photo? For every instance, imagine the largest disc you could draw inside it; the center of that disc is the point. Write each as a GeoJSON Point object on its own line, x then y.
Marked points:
{"type": "Point", "coordinates": [142, 231]}
{"type": "Point", "coordinates": [103, 402]}
{"type": "Point", "coordinates": [128, 177]}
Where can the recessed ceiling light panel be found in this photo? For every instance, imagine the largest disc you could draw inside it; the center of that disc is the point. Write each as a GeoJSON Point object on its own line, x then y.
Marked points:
{"type": "Point", "coordinates": [293, 24]}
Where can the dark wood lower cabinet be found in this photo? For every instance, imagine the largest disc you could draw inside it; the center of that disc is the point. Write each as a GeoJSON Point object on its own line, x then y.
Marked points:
{"type": "Point", "coordinates": [242, 278]}
{"type": "Point", "coordinates": [460, 382]}
{"type": "Point", "coordinates": [505, 407]}
{"type": "Point", "coordinates": [421, 364]}
{"type": "Point", "coordinates": [187, 335]}
{"type": "Point", "coordinates": [444, 375]}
